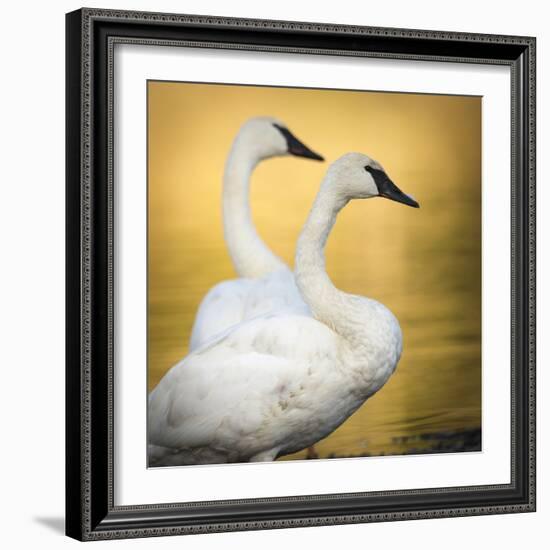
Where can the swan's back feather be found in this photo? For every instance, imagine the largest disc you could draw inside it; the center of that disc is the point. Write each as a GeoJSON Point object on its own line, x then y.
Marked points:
{"type": "Point", "coordinates": [231, 302]}
{"type": "Point", "coordinates": [221, 308]}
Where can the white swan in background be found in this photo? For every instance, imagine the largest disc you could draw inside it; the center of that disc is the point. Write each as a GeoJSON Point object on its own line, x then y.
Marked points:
{"type": "Point", "coordinates": [277, 384]}
{"type": "Point", "coordinates": [265, 283]}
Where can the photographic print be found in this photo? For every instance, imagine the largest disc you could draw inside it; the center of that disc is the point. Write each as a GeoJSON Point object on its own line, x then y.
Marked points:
{"type": "Point", "coordinates": [314, 273]}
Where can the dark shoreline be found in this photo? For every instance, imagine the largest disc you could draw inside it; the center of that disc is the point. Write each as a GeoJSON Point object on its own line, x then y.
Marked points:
{"type": "Point", "coordinates": [448, 441]}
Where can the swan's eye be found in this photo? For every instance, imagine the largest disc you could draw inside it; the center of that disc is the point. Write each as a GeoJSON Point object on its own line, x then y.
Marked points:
{"type": "Point", "coordinates": [368, 168]}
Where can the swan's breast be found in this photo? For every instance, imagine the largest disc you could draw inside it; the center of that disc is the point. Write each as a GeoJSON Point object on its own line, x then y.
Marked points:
{"type": "Point", "coordinates": [374, 347]}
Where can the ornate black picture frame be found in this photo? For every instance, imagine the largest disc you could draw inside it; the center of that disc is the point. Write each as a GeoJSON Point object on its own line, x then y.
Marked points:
{"type": "Point", "coordinates": [91, 513]}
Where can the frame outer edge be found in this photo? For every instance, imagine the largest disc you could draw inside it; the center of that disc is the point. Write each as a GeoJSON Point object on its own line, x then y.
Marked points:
{"type": "Point", "coordinates": [74, 504]}
{"type": "Point", "coordinates": [79, 54]}
{"type": "Point", "coordinates": [307, 26]}
{"type": "Point", "coordinates": [532, 246]}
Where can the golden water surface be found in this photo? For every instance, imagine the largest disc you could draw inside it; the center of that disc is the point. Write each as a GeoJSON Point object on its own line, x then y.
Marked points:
{"type": "Point", "coordinates": [424, 264]}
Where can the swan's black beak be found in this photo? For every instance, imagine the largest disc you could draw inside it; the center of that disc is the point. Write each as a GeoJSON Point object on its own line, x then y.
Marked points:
{"type": "Point", "coordinates": [388, 189]}
{"type": "Point", "coordinates": [295, 146]}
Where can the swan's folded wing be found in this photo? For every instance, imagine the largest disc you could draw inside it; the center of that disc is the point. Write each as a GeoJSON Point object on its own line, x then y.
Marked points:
{"type": "Point", "coordinates": [225, 392]}
{"type": "Point", "coordinates": [217, 404]}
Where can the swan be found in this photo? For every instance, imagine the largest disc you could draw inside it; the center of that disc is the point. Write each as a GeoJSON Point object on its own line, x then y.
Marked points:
{"type": "Point", "coordinates": [278, 383]}
{"type": "Point", "coordinates": [265, 282]}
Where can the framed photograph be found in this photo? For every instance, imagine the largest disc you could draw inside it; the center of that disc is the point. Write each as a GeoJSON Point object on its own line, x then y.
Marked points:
{"type": "Point", "coordinates": [300, 274]}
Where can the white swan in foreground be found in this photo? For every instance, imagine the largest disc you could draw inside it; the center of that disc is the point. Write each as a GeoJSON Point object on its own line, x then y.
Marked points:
{"type": "Point", "coordinates": [230, 302]}
{"type": "Point", "coordinates": [279, 383]}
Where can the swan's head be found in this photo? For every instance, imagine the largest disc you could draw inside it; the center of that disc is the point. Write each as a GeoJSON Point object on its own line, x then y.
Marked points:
{"type": "Point", "coordinates": [357, 176]}
{"type": "Point", "coordinates": [267, 137]}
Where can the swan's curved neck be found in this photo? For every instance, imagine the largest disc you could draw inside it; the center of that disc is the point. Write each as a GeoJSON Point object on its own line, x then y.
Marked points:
{"type": "Point", "coordinates": [345, 314]}
{"type": "Point", "coordinates": [250, 255]}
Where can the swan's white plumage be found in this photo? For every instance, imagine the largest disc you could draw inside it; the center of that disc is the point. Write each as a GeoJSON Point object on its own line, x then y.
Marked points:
{"type": "Point", "coordinates": [222, 307]}
{"type": "Point", "coordinates": [274, 384]}
{"type": "Point", "coordinates": [265, 284]}
{"type": "Point", "coordinates": [230, 302]}
{"type": "Point", "coordinates": [278, 383]}
{"type": "Point", "coordinates": [252, 376]}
